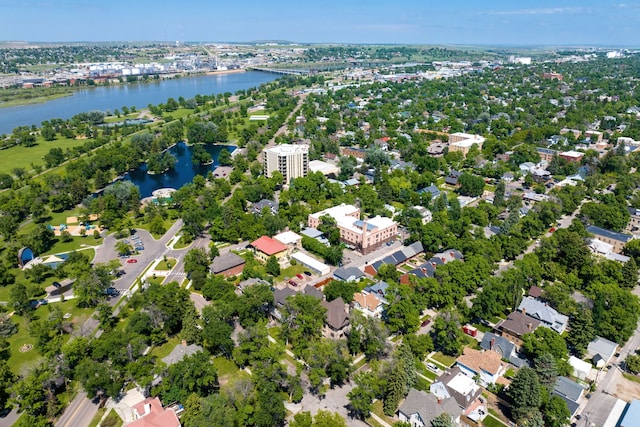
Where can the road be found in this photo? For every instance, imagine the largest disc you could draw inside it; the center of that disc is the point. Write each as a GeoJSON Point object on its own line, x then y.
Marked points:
{"type": "Point", "coordinates": [79, 413]}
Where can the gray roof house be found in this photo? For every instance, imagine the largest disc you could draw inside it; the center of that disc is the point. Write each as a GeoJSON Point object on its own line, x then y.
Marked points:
{"type": "Point", "coordinates": [226, 262]}
{"type": "Point", "coordinates": [337, 318]}
{"type": "Point", "coordinates": [348, 274]}
{"type": "Point", "coordinates": [181, 351]}
{"type": "Point", "coordinates": [543, 312]}
{"type": "Point", "coordinates": [505, 348]}
{"type": "Point", "coordinates": [432, 189]}
{"type": "Point", "coordinates": [601, 350]}
{"type": "Point", "coordinates": [420, 408]}
{"type": "Point", "coordinates": [570, 391]}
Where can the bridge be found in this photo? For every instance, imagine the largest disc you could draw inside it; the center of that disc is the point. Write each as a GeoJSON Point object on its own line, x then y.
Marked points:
{"type": "Point", "coordinates": [281, 71]}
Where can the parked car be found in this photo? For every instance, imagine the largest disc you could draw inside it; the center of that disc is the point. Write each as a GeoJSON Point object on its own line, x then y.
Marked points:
{"type": "Point", "coordinates": [432, 367]}
{"type": "Point", "coordinates": [132, 260]}
{"type": "Point", "coordinates": [308, 273]}
{"type": "Point", "coordinates": [57, 285]}
{"type": "Point", "coordinates": [112, 292]}
{"type": "Point", "coordinates": [299, 276]}
{"type": "Point", "coordinates": [425, 323]}
{"type": "Point", "coordinates": [293, 283]}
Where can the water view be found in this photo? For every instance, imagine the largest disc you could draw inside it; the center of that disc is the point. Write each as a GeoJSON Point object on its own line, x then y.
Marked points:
{"type": "Point", "coordinates": [183, 172]}
{"type": "Point", "coordinates": [139, 95]}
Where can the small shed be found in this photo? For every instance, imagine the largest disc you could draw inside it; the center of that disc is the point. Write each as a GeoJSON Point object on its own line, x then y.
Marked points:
{"type": "Point", "coordinates": [580, 368]}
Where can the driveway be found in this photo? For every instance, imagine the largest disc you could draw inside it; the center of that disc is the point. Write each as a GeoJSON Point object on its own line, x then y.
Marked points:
{"type": "Point", "coordinates": [335, 400]}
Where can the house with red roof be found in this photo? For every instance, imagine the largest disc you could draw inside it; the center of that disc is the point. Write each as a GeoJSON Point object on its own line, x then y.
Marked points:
{"type": "Point", "coordinates": [150, 413]}
{"type": "Point", "coordinates": [266, 247]}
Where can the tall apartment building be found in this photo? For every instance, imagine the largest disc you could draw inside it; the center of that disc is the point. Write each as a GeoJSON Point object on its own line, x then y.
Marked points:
{"type": "Point", "coordinates": [292, 161]}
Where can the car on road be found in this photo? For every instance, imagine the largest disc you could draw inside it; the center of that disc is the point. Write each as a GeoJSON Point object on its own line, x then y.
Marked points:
{"type": "Point", "coordinates": [307, 273]}
{"type": "Point", "coordinates": [132, 260]}
{"type": "Point", "coordinates": [112, 292]}
{"type": "Point", "coordinates": [299, 276]}
{"type": "Point", "coordinates": [139, 248]}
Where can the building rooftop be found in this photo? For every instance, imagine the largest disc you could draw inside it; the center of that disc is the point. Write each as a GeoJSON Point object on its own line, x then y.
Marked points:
{"type": "Point", "coordinates": [477, 361]}
{"type": "Point", "coordinates": [150, 413]}
{"type": "Point", "coordinates": [366, 300]}
{"type": "Point", "coordinates": [545, 313]}
{"type": "Point", "coordinates": [614, 235]}
{"type": "Point", "coordinates": [288, 149]}
{"type": "Point", "coordinates": [519, 323]}
{"type": "Point", "coordinates": [288, 237]}
{"type": "Point", "coordinates": [603, 347]}
{"type": "Point", "coordinates": [225, 262]}
{"type": "Point", "coordinates": [427, 406]}
{"type": "Point", "coordinates": [268, 245]}
{"type": "Point", "coordinates": [337, 315]}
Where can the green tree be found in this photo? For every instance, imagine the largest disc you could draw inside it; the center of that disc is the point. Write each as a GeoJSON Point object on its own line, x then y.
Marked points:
{"type": "Point", "coordinates": [443, 420]}
{"type": "Point", "coordinates": [196, 260]}
{"type": "Point", "coordinates": [582, 331]}
{"type": "Point", "coordinates": [524, 392]}
{"type": "Point", "coordinates": [545, 367]}
{"type": "Point", "coordinates": [338, 288]}
{"type": "Point", "coordinates": [447, 335]}
{"type": "Point", "coordinates": [471, 185]}
{"type": "Point", "coordinates": [328, 419]}
{"type": "Point", "coordinates": [632, 362]}
{"type": "Point", "coordinates": [193, 374]}
{"type": "Point", "coordinates": [556, 413]}
{"type": "Point", "coordinates": [273, 266]}
{"type": "Point", "coordinates": [302, 319]}
{"type": "Point", "coordinates": [301, 419]}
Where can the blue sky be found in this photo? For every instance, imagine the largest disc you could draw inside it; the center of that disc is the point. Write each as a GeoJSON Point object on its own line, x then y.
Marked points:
{"type": "Point", "coordinates": [513, 22]}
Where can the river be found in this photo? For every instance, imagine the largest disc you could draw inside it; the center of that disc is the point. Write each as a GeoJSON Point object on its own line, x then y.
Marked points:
{"type": "Point", "coordinates": [140, 95]}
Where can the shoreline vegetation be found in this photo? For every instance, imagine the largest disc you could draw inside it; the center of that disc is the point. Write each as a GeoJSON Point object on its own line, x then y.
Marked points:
{"type": "Point", "coordinates": [15, 97]}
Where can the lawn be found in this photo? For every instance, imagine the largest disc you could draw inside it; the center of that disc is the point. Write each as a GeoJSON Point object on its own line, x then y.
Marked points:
{"type": "Point", "coordinates": [20, 156]}
{"type": "Point", "coordinates": [444, 360]}
{"type": "Point", "coordinates": [167, 264]}
{"type": "Point", "coordinates": [77, 244]}
{"type": "Point", "coordinates": [290, 272]}
{"type": "Point", "coordinates": [377, 408]}
{"type": "Point", "coordinates": [167, 223]}
{"type": "Point", "coordinates": [275, 332]}
{"type": "Point", "coordinates": [424, 371]}
{"type": "Point", "coordinates": [111, 420]}
{"type": "Point", "coordinates": [19, 360]}
{"type": "Point", "coordinates": [181, 244]}
{"type": "Point", "coordinates": [225, 366]}
{"type": "Point", "coordinates": [490, 421]}
{"type": "Point", "coordinates": [422, 384]}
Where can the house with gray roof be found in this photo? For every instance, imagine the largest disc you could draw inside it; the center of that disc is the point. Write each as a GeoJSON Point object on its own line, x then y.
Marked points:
{"type": "Point", "coordinates": [432, 189]}
{"type": "Point", "coordinates": [337, 322]}
{"type": "Point", "coordinates": [601, 351]}
{"type": "Point", "coordinates": [548, 317]}
{"type": "Point", "coordinates": [348, 274]}
{"type": "Point", "coordinates": [516, 325]}
{"type": "Point", "coordinates": [420, 408]}
{"type": "Point", "coordinates": [570, 391]}
{"type": "Point", "coordinates": [505, 348]}
{"type": "Point", "coordinates": [181, 351]}
{"type": "Point", "coordinates": [264, 203]}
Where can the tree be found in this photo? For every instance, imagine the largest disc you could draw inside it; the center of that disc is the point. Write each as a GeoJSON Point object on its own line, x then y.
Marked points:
{"type": "Point", "coordinates": [196, 260]}
{"type": "Point", "coordinates": [7, 379]}
{"type": "Point", "coordinates": [544, 340]}
{"type": "Point", "coordinates": [471, 185]}
{"type": "Point", "coordinates": [338, 288]}
{"type": "Point", "coordinates": [629, 274]}
{"type": "Point", "coordinates": [328, 419]}
{"type": "Point", "coordinates": [389, 273]}
{"type": "Point", "coordinates": [443, 420]}
{"type": "Point", "coordinates": [632, 362]}
{"type": "Point", "coordinates": [302, 319]}
{"type": "Point", "coordinates": [301, 419]}
{"type": "Point", "coordinates": [19, 298]}
{"type": "Point", "coordinates": [524, 392]}
{"type": "Point", "coordinates": [447, 335]}
{"type": "Point", "coordinates": [193, 374]}
{"type": "Point", "coordinates": [582, 331]}
{"type": "Point", "coordinates": [216, 333]}
{"type": "Point", "coordinates": [498, 195]}
{"type": "Point", "coordinates": [273, 266]}
{"type": "Point", "coordinates": [556, 412]}
{"type": "Point", "coordinates": [224, 157]}
{"type": "Point", "coordinates": [545, 367]}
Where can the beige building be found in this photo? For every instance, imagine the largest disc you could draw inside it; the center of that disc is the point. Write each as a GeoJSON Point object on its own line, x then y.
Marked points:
{"type": "Point", "coordinates": [462, 142]}
{"type": "Point", "coordinates": [364, 235]}
{"type": "Point", "coordinates": [292, 161]}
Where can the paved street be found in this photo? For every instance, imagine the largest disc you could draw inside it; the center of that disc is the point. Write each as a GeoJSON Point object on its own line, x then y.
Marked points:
{"type": "Point", "coordinates": [79, 413]}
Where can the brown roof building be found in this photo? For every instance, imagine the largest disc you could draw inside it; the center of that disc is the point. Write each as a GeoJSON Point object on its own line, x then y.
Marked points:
{"type": "Point", "coordinates": [228, 264]}
{"type": "Point", "coordinates": [337, 318]}
{"type": "Point", "coordinates": [516, 325]}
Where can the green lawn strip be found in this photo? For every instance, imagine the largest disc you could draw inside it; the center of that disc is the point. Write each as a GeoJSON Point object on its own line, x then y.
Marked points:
{"type": "Point", "coordinates": [372, 422]}
{"type": "Point", "coordinates": [290, 273]}
{"type": "Point", "coordinates": [482, 328]}
{"type": "Point", "coordinates": [491, 421]}
{"type": "Point", "coordinates": [424, 371]}
{"type": "Point", "coordinates": [166, 265]}
{"type": "Point", "coordinates": [181, 244]}
{"type": "Point", "coordinates": [96, 419]}
{"type": "Point", "coordinates": [178, 114]}
{"type": "Point", "coordinates": [360, 364]}
{"type": "Point", "coordinates": [77, 244]}
{"type": "Point", "coordinates": [275, 332]}
{"type": "Point", "coordinates": [166, 348]}
{"type": "Point", "coordinates": [422, 384]}
{"type": "Point", "coordinates": [444, 360]}
{"type": "Point", "coordinates": [377, 408]}
{"type": "Point", "coordinates": [631, 377]}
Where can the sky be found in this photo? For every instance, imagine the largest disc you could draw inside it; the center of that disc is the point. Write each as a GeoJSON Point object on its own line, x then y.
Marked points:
{"type": "Point", "coordinates": [461, 22]}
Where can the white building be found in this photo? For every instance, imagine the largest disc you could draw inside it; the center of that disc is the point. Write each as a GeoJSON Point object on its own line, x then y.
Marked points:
{"type": "Point", "coordinates": [292, 161]}
{"type": "Point", "coordinates": [460, 141]}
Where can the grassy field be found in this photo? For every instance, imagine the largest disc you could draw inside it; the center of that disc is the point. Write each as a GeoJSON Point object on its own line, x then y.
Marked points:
{"type": "Point", "coordinates": [166, 265]}
{"type": "Point", "coordinates": [377, 408]}
{"type": "Point", "coordinates": [443, 359]}
{"type": "Point", "coordinates": [163, 350]}
{"type": "Point", "coordinates": [22, 157]}
{"type": "Point", "coordinates": [490, 421]}
{"type": "Point", "coordinates": [225, 367]}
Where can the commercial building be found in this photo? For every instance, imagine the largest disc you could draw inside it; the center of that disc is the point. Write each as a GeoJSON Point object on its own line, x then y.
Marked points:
{"type": "Point", "coordinates": [462, 142]}
{"type": "Point", "coordinates": [364, 235]}
{"type": "Point", "coordinates": [292, 161]}
{"type": "Point", "coordinates": [618, 240]}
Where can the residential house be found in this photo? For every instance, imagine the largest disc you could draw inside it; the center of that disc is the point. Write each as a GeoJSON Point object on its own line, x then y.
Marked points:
{"type": "Point", "coordinates": [455, 384]}
{"type": "Point", "coordinates": [266, 247]}
{"type": "Point", "coordinates": [338, 322]}
{"type": "Point", "coordinates": [487, 366]}
{"type": "Point", "coordinates": [258, 207]}
{"type": "Point", "coordinates": [505, 348]}
{"type": "Point", "coordinates": [420, 408]}
{"type": "Point", "coordinates": [634, 220]}
{"type": "Point", "coordinates": [348, 274]}
{"type": "Point", "coordinates": [314, 233]}
{"type": "Point", "coordinates": [516, 325]}
{"type": "Point", "coordinates": [179, 352]}
{"type": "Point", "coordinates": [548, 316]}
{"type": "Point", "coordinates": [572, 156]}
{"type": "Point", "coordinates": [601, 351]}
{"type": "Point", "coordinates": [570, 391]}
{"type": "Point", "coordinates": [436, 149]}
{"type": "Point", "coordinates": [452, 178]}
{"type": "Point", "coordinates": [618, 240]}
{"type": "Point", "coordinates": [425, 214]}
{"type": "Point", "coordinates": [432, 189]}
{"type": "Point", "coordinates": [228, 264]}
{"type": "Point", "coordinates": [546, 154]}
{"type": "Point", "coordinates": [150, 413]}
{"type": "Point", "coordinates": [368, 304]}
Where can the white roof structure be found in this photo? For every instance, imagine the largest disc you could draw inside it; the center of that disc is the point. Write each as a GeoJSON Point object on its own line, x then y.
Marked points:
{"type": "Point", "coordinates": [323, 167]}
{"type": "Point", "coordinates": [288, 237]}
{"type": "Point", "coordinates": [581, 368]}
{"type": "Point", "coordinates": [337, 211]}
{"type": "Point", "coordinates": [599, 247]}
{"type": "Point", "coordinates": [312, 263]}
{"type": "Point", "coordinates": [289, 148]}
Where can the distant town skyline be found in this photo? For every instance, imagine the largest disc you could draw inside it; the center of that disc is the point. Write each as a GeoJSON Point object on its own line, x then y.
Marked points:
{"type": "Point", "coordinates": [470, 22]}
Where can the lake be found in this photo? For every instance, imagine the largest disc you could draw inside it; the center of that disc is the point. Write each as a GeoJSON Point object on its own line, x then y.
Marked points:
{"type": "Point", "coordinates": [183, 172]}
{"type": "Point", "coordinates": [140, 95]}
